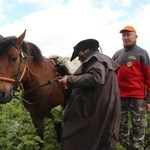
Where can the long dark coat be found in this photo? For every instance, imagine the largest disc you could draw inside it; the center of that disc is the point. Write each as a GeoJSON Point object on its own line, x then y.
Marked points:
{"type": "Point", "coordinates": [92, 117]}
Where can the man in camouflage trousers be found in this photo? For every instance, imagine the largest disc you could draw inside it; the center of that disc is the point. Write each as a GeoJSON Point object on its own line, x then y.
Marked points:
{"type": "Point", "coordinates": [134, 84]}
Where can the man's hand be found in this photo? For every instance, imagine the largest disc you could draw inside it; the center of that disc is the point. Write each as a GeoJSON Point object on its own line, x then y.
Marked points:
{"type": "Point", "coordinates": [148, 107]}
{"type": "Point", "coordinates": [63, 80]}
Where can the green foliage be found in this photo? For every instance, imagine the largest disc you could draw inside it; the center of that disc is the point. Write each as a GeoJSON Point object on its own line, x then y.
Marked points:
{"type": "Point", "coordinates": [57, 113]}
{"type": "Point", "coordinates": [18, 133]}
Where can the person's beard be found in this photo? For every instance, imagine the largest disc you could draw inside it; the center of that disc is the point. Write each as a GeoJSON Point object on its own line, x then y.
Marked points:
{"type": "Point", "coordinates": [85, 56]}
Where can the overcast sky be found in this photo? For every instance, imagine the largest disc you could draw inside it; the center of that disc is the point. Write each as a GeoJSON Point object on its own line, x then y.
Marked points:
{"type": "Point", "coordinates": [55, 26]}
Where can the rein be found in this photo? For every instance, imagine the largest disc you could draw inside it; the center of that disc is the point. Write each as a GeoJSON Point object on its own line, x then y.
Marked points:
{"type": "Point", "coordinates": [48, 83]}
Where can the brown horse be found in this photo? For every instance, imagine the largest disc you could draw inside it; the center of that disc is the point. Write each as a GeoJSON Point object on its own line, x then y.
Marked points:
{"type": "Point", "coordinates": [23, 67]}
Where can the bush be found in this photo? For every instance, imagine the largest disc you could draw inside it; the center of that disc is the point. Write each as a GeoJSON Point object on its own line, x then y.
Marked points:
{"type": "Point", "coordinates": [17, 131]}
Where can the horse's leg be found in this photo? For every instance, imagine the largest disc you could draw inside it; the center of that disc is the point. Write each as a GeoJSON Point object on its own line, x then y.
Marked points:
{"type": "Point", "coordinates": [39, 125]}
{"type": "Point", "coordinates": [58, 129]}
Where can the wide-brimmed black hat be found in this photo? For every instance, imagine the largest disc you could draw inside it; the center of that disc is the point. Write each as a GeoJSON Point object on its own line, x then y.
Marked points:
{"type": "Point", "coordinates": [92, 44]}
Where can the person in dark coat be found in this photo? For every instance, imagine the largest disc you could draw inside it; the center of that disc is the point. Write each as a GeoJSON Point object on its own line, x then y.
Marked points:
{"type": "Point", "coordinates": [92, 116]}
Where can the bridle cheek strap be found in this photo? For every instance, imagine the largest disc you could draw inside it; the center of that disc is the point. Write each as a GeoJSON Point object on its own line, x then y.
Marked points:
{"type": "Point", "coordinates": [21, 77]}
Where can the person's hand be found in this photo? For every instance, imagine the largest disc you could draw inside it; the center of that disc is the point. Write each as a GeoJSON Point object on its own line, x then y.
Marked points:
{"type": "Point", "coordinates": [63, 80]}
{"type": "Point", "coordinates": [148, 107]}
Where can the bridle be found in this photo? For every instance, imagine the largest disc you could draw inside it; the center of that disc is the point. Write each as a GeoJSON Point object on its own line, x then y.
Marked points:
{"type": "Point", "coordinates": [17, 82]}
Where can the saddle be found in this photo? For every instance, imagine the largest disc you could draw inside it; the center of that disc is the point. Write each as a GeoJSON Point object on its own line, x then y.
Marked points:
{"type": "Point", "coordinates": [62, 70]}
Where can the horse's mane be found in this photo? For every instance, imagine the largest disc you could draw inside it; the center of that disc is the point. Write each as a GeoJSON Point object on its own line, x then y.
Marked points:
{"type": "Point", "coordinates": [35, 52]}
{"type": "Point", "coordinates": [27, 47]}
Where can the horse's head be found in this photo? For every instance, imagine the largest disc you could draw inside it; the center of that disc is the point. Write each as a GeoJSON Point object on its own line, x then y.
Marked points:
{"type": "Point", "coordinates": [11, 65]}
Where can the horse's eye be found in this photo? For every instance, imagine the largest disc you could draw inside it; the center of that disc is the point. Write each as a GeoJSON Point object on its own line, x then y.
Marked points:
{"type": "Point", "coordinates": [13, 59]}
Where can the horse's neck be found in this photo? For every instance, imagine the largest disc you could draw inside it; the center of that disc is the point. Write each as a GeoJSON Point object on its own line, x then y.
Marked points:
{"type": "Point", "coordinates": [40, 74]}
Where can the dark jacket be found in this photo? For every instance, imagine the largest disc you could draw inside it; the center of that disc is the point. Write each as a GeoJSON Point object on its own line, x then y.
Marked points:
{"type": "Point", "coordinates": [134, 73]}
{"type": "Point", "coordinates": [92, 117]}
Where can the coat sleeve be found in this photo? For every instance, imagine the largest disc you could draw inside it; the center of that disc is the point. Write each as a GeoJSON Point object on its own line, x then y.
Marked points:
{"type": "Point", "coordinates": [145, 63]}
{"type": "Point", "coordinates": [94, 77]}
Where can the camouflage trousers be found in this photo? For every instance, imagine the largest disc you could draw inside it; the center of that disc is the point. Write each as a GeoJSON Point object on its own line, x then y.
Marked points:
{"type": "Point", "coordinates": [133, 123]}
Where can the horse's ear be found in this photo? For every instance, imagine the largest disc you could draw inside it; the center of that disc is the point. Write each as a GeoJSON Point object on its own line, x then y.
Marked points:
{"type": "Point", "coordinates": [21, 38]}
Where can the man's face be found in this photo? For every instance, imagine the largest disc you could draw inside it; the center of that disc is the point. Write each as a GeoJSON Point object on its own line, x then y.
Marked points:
{"type": "Point", "coordinates": [128, 38]}
{"type": "Point", "coordinates": [82, 55]}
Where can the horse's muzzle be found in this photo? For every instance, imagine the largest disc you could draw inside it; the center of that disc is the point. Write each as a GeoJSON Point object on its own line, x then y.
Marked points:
{"type": "Point", "coordinates": [5, 98]}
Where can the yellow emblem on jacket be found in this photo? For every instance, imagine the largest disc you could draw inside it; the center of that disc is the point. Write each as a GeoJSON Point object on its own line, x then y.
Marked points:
{"type": "Point", "coordinates": [132, 57]}
{"type": "Point", "coordinates": [129, 64]}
